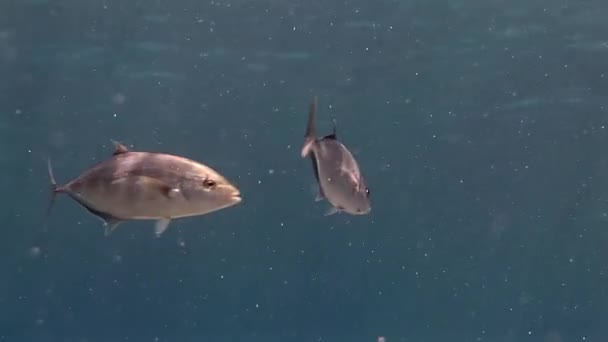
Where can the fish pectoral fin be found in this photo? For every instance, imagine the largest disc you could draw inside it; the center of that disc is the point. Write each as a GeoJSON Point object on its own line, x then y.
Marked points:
{"type": "Point", "coordinates": [156, 184]}
{"type": "Point", "coordinates": [119, 148]}
{"type": "Point", "coordinates": [353, 179]}
{"type": "Point", "coordinates": [331, 211]}
{"type": "Point", "coordinates": [160, 226]}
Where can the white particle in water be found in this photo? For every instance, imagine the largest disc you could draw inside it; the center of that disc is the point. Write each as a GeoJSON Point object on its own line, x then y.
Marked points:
{"type": "Point", "coordinates": [34, 252]}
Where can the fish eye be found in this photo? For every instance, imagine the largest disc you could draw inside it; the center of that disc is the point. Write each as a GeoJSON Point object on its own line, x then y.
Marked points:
{"type": "Point", "coordinates": [367, 192]}
{"type": "Point", "coordinates": [209, 183]}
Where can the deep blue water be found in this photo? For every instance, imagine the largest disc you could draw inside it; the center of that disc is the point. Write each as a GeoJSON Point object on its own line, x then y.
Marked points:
{"type": "Point", "coordinates": [481, 128]}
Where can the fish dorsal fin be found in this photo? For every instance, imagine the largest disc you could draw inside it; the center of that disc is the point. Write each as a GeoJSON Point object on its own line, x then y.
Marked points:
{"type": "Point", "coordinates": [334, 134]}
{"type": "Point", "coordinates": [119, 148]}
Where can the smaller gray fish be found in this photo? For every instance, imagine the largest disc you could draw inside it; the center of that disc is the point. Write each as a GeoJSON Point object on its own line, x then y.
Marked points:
{"type": "Point", "coordinates": [147, 186]}
{"type": "Point", "coordinates": [338, 176]}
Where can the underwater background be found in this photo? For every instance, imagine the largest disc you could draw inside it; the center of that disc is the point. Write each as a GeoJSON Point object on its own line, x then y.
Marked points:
{"type": "Point", "coordinates": [481, 128]}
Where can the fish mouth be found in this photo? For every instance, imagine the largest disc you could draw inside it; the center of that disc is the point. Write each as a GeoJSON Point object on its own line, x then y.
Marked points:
{"type": "Point", "coordinates": [236, 197]}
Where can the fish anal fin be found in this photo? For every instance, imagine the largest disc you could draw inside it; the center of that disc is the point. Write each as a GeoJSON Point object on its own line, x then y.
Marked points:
{"type": "Point", "coordinates": [320, 195]}
{"type": "Point", "coordinates": [315, 167]}
{"type": "Point", "coordinates": [110, 222]}
{"type": "Point", "coordinates": [119, 148]}
{"type": "Point", "coordinates": [160, 226]}
{"type": "Point", "coordinates": [111, 225]}
{"type": "Point", "coordinates": [104, 216]}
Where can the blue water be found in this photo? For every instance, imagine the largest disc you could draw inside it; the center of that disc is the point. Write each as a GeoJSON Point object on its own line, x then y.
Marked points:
{"type": "Point", "coordinates": [480, 126]}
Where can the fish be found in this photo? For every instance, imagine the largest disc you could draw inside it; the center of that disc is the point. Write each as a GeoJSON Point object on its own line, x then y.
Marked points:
{"type": "Point", "coordinates": [337, 173]}
{"type": "Point", "coordinates": [135, 185]}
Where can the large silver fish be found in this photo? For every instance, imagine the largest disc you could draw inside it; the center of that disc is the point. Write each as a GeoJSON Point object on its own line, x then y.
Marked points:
{"type": "Point", "coordinates": [147, 186]}
{"type": "Point", "coordinates": [338, 176]}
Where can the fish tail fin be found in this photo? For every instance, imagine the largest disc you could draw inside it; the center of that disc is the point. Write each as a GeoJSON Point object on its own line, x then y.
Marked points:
{"type": "Point", "coordinates": [54, 189]}
{"type": "Point", "coordinates": [310, 128]}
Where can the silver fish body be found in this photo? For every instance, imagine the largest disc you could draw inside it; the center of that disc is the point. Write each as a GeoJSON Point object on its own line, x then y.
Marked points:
{"type": "Point", "coordinates": [148, 186]}
{"type": "Point", "coordinates": [337, 172]}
